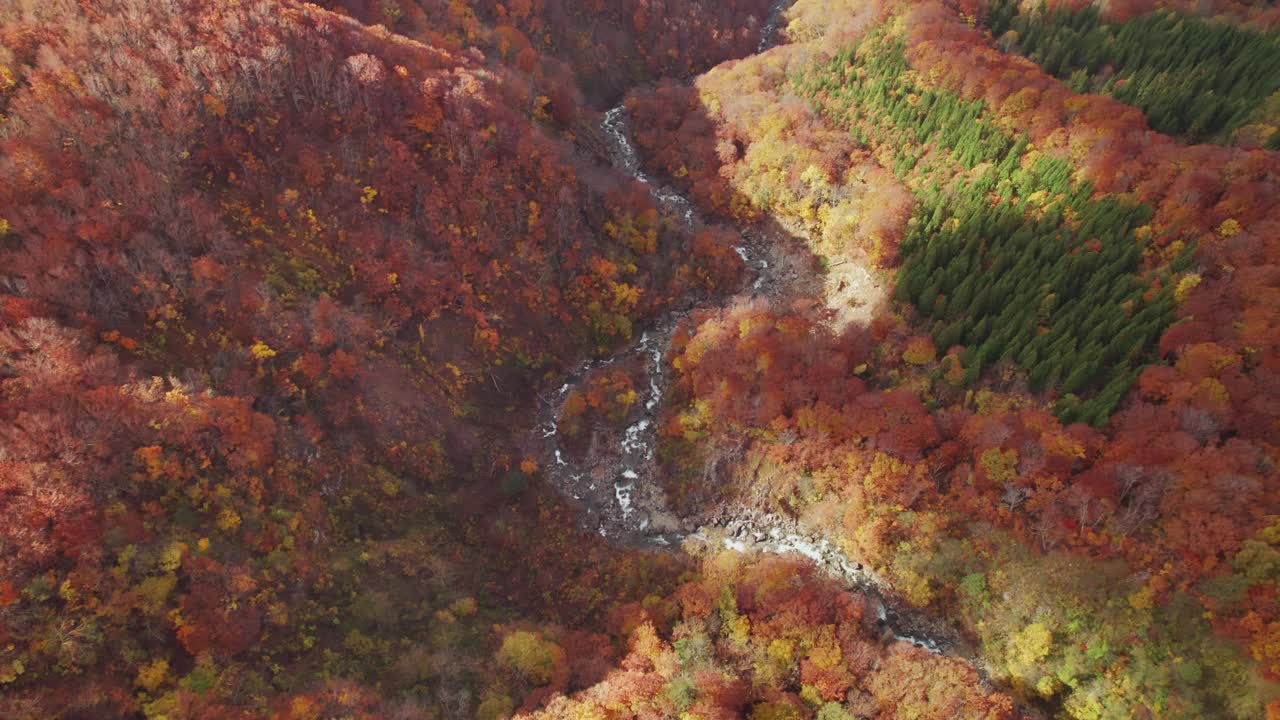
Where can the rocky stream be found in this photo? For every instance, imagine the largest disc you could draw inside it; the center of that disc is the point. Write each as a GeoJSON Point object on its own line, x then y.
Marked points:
{"type": "Point", "coordinates": [618, 491]}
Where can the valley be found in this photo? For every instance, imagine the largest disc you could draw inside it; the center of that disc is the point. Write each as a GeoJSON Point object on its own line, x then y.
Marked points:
{"type": "Point", "coordinates": [639, 360]}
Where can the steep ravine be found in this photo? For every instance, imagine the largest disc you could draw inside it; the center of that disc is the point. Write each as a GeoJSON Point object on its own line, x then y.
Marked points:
{"type": "Point", "coordinates": [617, 488]}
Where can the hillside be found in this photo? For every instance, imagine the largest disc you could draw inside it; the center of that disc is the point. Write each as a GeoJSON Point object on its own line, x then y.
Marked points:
{"type": "Point", "coordinates": [867, 360]}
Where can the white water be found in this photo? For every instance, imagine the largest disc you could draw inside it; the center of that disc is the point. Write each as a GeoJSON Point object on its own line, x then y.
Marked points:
{"type": "Point", "coordinates": [624, 156]}
{"type": "Point", "coordinates": [769, 33]}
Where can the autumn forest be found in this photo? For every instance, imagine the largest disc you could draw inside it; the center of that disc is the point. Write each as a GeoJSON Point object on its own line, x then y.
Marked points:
{"type": "Point", "coordinates": [639, 359]}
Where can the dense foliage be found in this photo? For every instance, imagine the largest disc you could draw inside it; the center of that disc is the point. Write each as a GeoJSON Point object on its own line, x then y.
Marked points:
{"type": "Point", "coordinates": [1100, 570]}
{"type": "Point", "coordinates": [285, 287]}
{"type": "Point", "coordinates": [1198, 78]}
{"type": "Point", "coordinates": [768, 639]}
{"type": "Point", "coordinates": [1014, 260]}
{"type": "Point", "coordinates": [609, 46]}
{"type": "Point", "coordinates": [272, 281]}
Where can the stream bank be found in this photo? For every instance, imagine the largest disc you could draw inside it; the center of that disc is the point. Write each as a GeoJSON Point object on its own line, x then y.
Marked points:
{"type": "Point", "coordinates": [616, 482]}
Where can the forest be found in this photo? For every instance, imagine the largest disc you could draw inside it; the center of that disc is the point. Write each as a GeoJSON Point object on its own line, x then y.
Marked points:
{"type": "Point", "coordinates": [779, 360]}
{"type": "Point", "coordinates": [1191, 77]}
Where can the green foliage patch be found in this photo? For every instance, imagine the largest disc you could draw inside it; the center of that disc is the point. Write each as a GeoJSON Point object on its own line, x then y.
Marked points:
{"type": "Point", "coordinates": [1193, 77]}
{"type": "Point", "coordinates": [1007, 254]}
